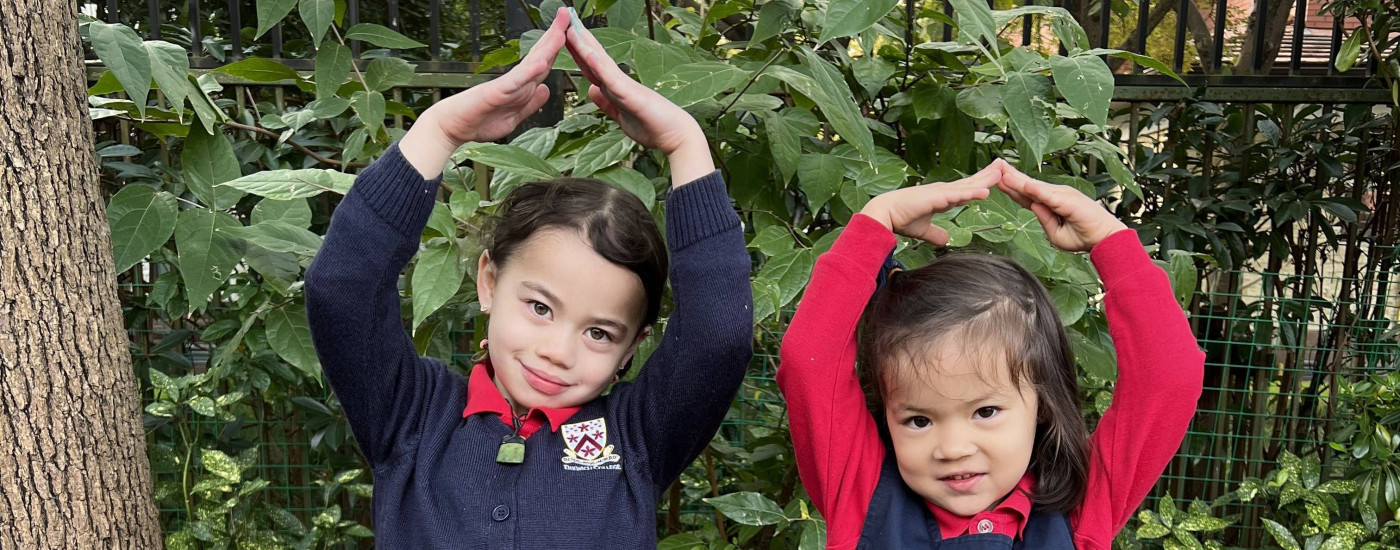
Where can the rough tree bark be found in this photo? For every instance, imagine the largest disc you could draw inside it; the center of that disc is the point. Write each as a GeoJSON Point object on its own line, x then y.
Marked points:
{"type": "Point", "coordinates": [73, 465]}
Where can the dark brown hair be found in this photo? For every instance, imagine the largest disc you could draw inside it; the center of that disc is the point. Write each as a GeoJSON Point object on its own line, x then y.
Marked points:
{"type": "Point", "coordinates": [611, 220]}
{"type": "Point", "coordinates": [997, 303]}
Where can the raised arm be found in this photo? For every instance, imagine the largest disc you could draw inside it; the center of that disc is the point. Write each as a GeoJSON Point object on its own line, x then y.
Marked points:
{"type": "Point", "coordinates": [1160, 367]}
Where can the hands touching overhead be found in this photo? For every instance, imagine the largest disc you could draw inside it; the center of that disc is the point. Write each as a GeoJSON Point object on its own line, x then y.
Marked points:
{"type": "Point", "coordinates": [1072, 221]}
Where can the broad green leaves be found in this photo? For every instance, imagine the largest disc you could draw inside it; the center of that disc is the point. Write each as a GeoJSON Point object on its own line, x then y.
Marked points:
{"type": "Point", "coordinates": [387, 72]}
{"type": "Point", "coordinates": [693, 82]}
{"type": "Point", "coordinates": [510, 158]}
{"type": "Point", "coordinates": [121, 50]}
{"type": "Point", "coordinates": [749, 508]}
{"type": "Point", "coordinates": [142, 219]}
{"type": "Point", "coordinates": [975, 22]}
{"type": "Point", "coordinates": [603, 151]}
{"type": "Point", "coordinates": [848, 17]}
{"type": "Point", "coordinates": [1086, 83]}
{"type": "Point", "coordinates": [1026, 96]}
{"type": "Point", "coordinates": [206, 257]}
{"type": "Point", "coordinates": [170, 66]}
{"type": "Point", "coordinates": [208, 161]}
{"type": "Point", "coordinates": [332, 67]}
{"type": "Point", "coordinates": [270, 12]}
{"type": "Point", "coordinates": [289, 334]}
{"type": "Point", "coordinates": [1350, 50]}
{"type": "Point", "coordinates": [371, 108]}
{"type": "Point", "coordinates": [436, 277]}
{"type": "Point", "coordinates": [381, 36]}
{"type": "Point", "coordinates": [318, 16]}
{"type": "Point", "coordinates": [293, 184]}
{"type": "Point", "coordinates": [258, 69]}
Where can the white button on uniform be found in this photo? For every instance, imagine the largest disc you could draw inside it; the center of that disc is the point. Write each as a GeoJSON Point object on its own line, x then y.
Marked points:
{"type": "Point", "coordinates": [984, 526]}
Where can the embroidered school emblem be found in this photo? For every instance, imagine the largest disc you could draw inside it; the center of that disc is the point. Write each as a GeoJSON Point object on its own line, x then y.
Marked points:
{"type": "Point", "coordinates": [586, 446]}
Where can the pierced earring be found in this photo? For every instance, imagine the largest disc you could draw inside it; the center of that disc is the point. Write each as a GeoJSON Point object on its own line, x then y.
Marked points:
{"type": "Point", "coordinates": [482, 347]}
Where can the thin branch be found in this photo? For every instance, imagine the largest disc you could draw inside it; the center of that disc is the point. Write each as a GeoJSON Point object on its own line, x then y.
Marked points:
{"type": "Point", "coordinates": [354, 66]}
{"type": "Point", "coordinates": [752, 79]}
{"type": "Point", "coordinates": [300, 147]}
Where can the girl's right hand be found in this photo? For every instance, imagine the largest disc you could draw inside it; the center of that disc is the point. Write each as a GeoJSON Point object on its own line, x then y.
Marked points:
{"type": "Point", "coordinates": [485, 112]}
{"type": "Point", "coordinates": [908, 211]}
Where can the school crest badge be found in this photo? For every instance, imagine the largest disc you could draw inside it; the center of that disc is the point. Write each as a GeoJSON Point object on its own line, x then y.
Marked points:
{"type": "Point", "coordinates": [586, 446]}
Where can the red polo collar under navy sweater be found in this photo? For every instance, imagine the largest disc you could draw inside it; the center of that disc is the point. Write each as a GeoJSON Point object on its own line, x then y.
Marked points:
{"type": "Point", "coordinates": [436, 480]}
{"type": "Point", "coordinates": [838, 448]}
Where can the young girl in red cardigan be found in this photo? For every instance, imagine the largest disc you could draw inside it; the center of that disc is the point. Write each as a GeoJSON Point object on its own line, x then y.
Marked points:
{"type": "Point", "coordinates": [976, 440]}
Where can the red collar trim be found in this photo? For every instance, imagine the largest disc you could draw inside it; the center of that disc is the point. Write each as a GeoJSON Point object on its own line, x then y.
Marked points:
{"type": "Point", "coordinates": [483, 397]}
{"type": "Point", "coordinates": [1013, 510]}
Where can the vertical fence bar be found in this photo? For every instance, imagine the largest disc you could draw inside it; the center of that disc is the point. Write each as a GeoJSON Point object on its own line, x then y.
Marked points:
{"type": "Point", "coordinates": [1336, 45]}
{"type": "Point", "coordinates": [947, 29]}
{"type": "Point", "coordinates": [195, 32]}
{"type": "Point", "coordinates": [1179, 43]}
{"type": "Point", "coordinates": [1220, 9]}
{"type": "Point", "coordinates": [1026, 28]}
{"type": "Point", "coordinates": [476, 30]}
{"type": "Point", "coordinates": [1300, 11]}
{"type": "Point", "coordinates": [235, 23]}
{"type": "Point", "coordinates": [1142, 31]}
{"type": "Point", "coordinates": [352, 18]}
{"type": "Point", "coordinates": [1261, 11]}
{"type": "Point", "coordinates": [1105, 18]}
{"type": "Point", "coordinates": [153, 19]}
{"type": "Point", "coordinates": [277, 41]}
{"type": "Point", "coordinates": [435, 30]}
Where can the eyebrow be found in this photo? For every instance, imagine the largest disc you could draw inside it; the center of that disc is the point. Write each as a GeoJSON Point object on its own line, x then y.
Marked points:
{"type": "Point", "coordinates": [550, 297]}
{"type": "Point", "coordinates": [993, 394]}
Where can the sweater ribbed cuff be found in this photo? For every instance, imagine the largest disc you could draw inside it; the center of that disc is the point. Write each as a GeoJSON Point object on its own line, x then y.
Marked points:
{"type": "Point", "coordinates": [395, 191]}
{"type": "Point", "coordinates": [1119, 256]}
{"type": "Point", "coordinates": [866, 242]}
{"type": "Point", "coordinates": [697, 210]}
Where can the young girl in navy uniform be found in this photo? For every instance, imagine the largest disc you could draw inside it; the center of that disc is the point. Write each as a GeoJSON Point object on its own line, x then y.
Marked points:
{"type": "Point", "coordinates": [527, 452]}
{"type": "Point", "coordinates": [976, 438]}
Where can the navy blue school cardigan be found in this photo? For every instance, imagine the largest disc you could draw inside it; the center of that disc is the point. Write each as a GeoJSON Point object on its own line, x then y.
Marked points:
{"type": "Point", "coordinates": [436, 480]}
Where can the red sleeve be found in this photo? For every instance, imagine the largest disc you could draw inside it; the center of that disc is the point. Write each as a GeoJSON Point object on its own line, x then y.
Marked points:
{"type": "Point", "coordinates": [837, 445]}
{"type": "Point", "coordinates": [1160, 371]}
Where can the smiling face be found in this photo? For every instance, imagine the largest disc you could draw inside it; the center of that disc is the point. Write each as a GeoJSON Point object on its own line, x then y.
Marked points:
{"type": "Point", "coordinates": [563, 320]}
{"type": "Point", "coordinates": [962, 432]}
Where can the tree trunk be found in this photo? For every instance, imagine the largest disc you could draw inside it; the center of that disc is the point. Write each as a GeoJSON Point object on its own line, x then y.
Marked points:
{"type": "Point", "coordinates": [73, 465]}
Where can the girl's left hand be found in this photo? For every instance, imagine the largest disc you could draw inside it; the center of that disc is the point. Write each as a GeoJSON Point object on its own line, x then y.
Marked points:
{"type": "Point", "coordinates": [644, 115]}
{"type": "Point", "coordinates": [1073, 222]}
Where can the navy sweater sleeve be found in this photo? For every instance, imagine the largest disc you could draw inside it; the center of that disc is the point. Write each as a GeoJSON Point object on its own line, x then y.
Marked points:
{"type": "Point", "coordinates": [353, 301]}
{"type": "Point", "coordinates": [683, 392]}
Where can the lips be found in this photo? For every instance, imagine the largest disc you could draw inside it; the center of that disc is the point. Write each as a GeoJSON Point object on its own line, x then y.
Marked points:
{"type": "Point", "coordinates": [543, 382]}
{"type": "Point", "coordinates": [962, 482]}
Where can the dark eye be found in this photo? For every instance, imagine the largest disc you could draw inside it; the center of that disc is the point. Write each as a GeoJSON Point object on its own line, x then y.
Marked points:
{"type": "Point", "coordinates": [599, 334]}
{"type": "Point", "coordinates": [918, 422]}
{"type": "Point", "coordinates": [986, 412]}
{"type": "Point", "coordinates": [539, 309]}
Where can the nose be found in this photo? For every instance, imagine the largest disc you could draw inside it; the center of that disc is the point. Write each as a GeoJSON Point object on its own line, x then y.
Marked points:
{"type": "Point", "coordinates": [556, 346]}
{"type": "Point", "coordinates": [954, 443]}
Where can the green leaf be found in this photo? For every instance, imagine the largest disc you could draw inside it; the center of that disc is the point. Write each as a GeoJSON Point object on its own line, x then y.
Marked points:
{"type": "Point", "coordinates": [464, 203]}
{"type": "Point", "coordinates": [749, 508]}
{"type": "Point", "coordinates": [1153, 531]}
{"type": "Point", "coordinates": [258, 69]}
{"type": "Point", "coordinates": [603, 151]}
{"type": "Point", "coordinates": [652, 60]}
{"type": "Point", "coordinates": [328, 107]}
{"type": "Point", "coordinates": [209, 115]}
{"type": "Point", "coordinates": [813, 536]}
{"type": "Point", "coordinates": [765, 299]}
{"type": "Point", "coordinates": [386, 72]}
{"type": "Point", "coordinates": [206, 257]}
{"type": "Point", "coordinates": [872, 72]}
{"type": "Point", "coordinates": [1025, 96]}
{"type": "Point", "coordinates": [772, 240]}
{"type": "Point", "coordinates": [142, 219]}
{"type": "Point", "coordinates": [691, 83]}
{"type": "Point", "coordinates": [282, 267]}
{"type": "Point", "coordinates": [509, 158]}
{"type": "Point", "coordinates": [1181, 269]}
{"type": "Point", "coordinates": [983, 102]}
{"type": "Point", "coordinates": [1140, 59]}
{"type": "Point", "coordinates": [790, 271]}
{"type": "Point", "coordinates": [683, 541]}
{"type": "Point", "coordinates": [285, 185]}
{"type": "Point", "coordinates": [1070, 301]}
{"type": "Point", "coordinates": [784, 143]}
{"type": "Point", "coordinates": [1094, 358]}
{"type": "Point", "coordinates": [220, 464]}
{"type": "Point", "coordinates": [1086, 83]}
{"type": "Point", "coordinates": [370, 107]}
{"type": "Point", "coordinates": [1281, 534]}
{"type": "Point", "coordinates": [295, 212]}
{"type": "Point", "coordinates": [207, 161]}
{"type": "Point", "coordinates": [850, 17]}
{"type": "Point", "coordinates": [510, 53]}
{"type": "Point", "coordinates": [771, 18]}
{"type": "Point", "coordinates": [632, 181]}
{"type": "Point", "coordinates": [170, 66]}
{"type": "Point", "coordinates": [819, 175]}
{"type": "Point", "coordinates": [382, 36]}
{"type": "Point", "coordinates": [318, 16]}
{"type": "Point", "coordinates": [332, 68]}
{"type": "Point", "coordinates": [1070, 33]}
{"type": "Point", "coordinates": [289, 334]}
{"type": "Point", "coordinates": [121, 51]}
{"type": "Point", "coordinates": [436, 278]}
{"type": "Point", "coordinates": [1350, 50]}
{"type": "Point", "coordinates": [278, 236]}
{"type": "Point", "coordinates": [539, 141]}
{"type": "Point", "coordinates": [1203, 524]}
{"type": "Point", "coordinates": [974, 19]}
{"type": "Point", "coordinates": [271, 12]}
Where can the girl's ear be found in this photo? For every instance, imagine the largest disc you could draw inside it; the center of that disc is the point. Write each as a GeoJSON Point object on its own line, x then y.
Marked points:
{"type": "Point", "coordinates": [636, 342]}
{"type": "Point", "coordinates": [485, 280]}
